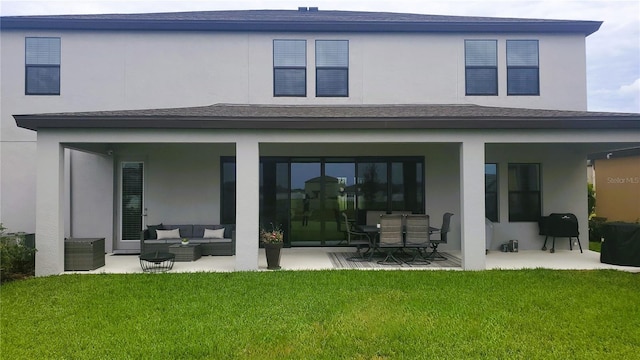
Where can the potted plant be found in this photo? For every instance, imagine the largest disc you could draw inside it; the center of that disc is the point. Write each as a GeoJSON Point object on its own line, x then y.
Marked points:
{"type": "Point", "coordinates": [272, 241]}
{"type": "Point", "coordinates": [185, 241]}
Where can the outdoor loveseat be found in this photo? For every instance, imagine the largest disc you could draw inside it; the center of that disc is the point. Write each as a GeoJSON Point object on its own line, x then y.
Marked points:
{"type": "Point", "coordinates": [220, 239]}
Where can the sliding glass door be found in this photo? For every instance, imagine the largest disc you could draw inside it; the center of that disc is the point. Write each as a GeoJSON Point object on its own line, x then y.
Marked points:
{"type": "Point", "coordinates": [340, 197]}
{"type": "Point", "coordinates": [307, 202]}
{"type": "Point", "coordinates": [321, 189]}
{"type": "Point", "coordinates": [275, 194]}
{"type": "Point", "coordinates": [307, 196]}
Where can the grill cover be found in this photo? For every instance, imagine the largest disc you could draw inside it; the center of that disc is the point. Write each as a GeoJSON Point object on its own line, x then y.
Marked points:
{"type": "Point", "coordinates": [559, 225]}
{"type": "Point", "coordinates": [621, 244]}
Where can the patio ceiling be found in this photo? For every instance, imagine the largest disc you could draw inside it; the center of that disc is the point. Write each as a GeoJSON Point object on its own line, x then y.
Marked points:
{"type": "Point", "coordinates": [229, 116]}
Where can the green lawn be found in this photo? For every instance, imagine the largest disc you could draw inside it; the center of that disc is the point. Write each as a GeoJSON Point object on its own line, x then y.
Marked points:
{"type": "Point", "coordinates": [595, 246]}
{"type": "Point", "coordinates": [530, 314]}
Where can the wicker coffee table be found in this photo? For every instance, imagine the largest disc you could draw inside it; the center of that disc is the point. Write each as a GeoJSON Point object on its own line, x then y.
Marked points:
{"type": "Point", "coordinates": [157, 261]}
{"type": "Point", "coordinates": [189, 252]}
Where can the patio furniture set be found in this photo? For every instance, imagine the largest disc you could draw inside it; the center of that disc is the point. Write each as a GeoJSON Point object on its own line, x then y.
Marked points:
{"type": "Point", "coordinates": [399, 238]}
{"type": "Point", "coordinates": [162, 245]}
{"type": "Point", "coordinates": [213, 239]}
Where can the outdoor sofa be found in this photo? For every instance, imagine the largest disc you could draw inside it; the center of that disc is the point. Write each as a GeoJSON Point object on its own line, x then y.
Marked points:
{"type": "Point", "coordinates": [220, 239]}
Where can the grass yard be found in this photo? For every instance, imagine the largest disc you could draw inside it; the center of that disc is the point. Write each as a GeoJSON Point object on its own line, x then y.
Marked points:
{"type": "Point", "coordinates": [346, 314]}
{"type": "Point", "coordinates": [595, 246]}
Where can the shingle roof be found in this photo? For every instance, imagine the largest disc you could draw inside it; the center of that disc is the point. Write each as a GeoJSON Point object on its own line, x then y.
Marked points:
{"type": "Point", "coordinates": [296, 20]}
{"type": "Point", "coordinates": [335, 117]}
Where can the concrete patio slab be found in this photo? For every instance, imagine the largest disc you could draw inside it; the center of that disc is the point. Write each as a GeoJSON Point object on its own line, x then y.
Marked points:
{"type": "Point", "coordinates": [318, 259]}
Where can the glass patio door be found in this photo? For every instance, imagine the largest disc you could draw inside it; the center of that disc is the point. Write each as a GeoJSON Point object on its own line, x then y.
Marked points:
{"type": "Point", "coordinates": [307, 196]}
{"type": "Point", "coordinates": [131, 204]}
{"type": "Point", "coordinates": [306, 202]}
{"type": "Point", "coordinates": [321, 189]}
{"type": "Point", "coordinates": [274, 194]}
{"type": "Point", "coordinates": [340, 197]}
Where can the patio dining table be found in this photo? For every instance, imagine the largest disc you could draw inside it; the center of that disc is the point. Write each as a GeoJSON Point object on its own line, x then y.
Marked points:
{"type": "Point", "coordinates": [374, 230]}
{"type": "Point", "coordinates": [371, 230]}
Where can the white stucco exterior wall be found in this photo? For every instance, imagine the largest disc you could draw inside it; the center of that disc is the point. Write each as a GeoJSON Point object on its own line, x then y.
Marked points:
{"type": "Point", "coordinates": [108, 70]}
{"type": "Point", "coordinates": [91, 196]}
{"type": "Point", "coordinates": [563, 188]}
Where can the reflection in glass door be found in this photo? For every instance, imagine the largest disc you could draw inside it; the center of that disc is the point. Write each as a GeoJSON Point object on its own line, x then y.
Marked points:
{"type": "Point", "coordinates": [340, 197]}
{"type": "Point", "coordinates": [274, 194]}
{"type": "Point", "coordinates": [320, 191]}
{"type": "Point", "coordinates": [307, 196]}
{"type": "Point", "coordinates": [306, 203]}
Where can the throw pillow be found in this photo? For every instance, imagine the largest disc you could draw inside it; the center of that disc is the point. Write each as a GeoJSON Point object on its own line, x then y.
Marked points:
{"type": "Point", "coordinates": [214, 234]}
{"type": "Point", "coordinates": [152, 230]}
{"type": "Point", "coordinates": [168, 234]}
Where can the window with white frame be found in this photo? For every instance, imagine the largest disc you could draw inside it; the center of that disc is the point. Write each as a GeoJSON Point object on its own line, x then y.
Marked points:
{"type": "Point", "coordinates": [523, 73]}
{"type": "Point", "coordinates": [42, 66]}
{"type": "Point", "coordinates": [290, 68]}
{"type": "Point", "coordinates": [332, 68]}
{"type": "Point", "coordinates": [481, 67]}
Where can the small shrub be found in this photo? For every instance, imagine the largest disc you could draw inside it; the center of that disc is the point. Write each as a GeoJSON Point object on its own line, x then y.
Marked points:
{"type": "Point", "coordinates": [595, 228]}
{"type": "Point", "coordinates": [591, 199]}
{"type": "Point", "coordinates": [17, 261]}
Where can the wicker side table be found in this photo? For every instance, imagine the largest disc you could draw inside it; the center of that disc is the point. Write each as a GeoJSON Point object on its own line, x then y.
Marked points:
{"type": "Point", "coordinates": [190, 252]}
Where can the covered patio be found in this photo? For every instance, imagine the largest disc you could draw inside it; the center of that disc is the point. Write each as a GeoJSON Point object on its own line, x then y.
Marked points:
{"type": "Point", "coordinates": [293, 259]}
{"type": "Point", "coordinates": [184, 151]}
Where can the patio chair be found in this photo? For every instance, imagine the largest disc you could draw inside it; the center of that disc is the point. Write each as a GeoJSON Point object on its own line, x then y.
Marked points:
{"type": "Point", "coordinates": [355, 238]}
{"type": "Point", "coordinates": [417, 237]}
{"type": "Point", "coordinates": [390, 240]}
{"type": "Point", "coordinates": [442, 232]}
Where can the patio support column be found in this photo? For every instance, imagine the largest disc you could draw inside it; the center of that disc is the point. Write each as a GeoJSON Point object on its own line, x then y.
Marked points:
{"type": "Point", "coordinates": [49, 206]}
{"type": "Point", "coordinates": [247, 203]}
{"type": "Point", "coordinates": [472, 200]}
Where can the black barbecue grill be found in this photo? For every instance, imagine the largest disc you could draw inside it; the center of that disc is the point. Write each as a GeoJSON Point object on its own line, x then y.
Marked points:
{"type": "Point", "coordinates": [559, 225]}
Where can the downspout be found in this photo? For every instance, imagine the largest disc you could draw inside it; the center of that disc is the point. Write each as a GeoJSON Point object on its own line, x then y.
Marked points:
{"type": "Point", "coordinates": [70, 194]}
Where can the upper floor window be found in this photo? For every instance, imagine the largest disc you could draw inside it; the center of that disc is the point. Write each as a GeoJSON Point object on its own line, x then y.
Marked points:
{"type": "Point", "coordinates": [522, 67]}
{"type": "Point", "coordinates": [290, 68]}
{"type": "Point", "coordinates": [481, 67]}
{"type": "Point", "coordinates": [332, 68]}
{"type": "Point", "coordinates": [42, 66]}
{"type": "Point", "coordinates": [524, 192]}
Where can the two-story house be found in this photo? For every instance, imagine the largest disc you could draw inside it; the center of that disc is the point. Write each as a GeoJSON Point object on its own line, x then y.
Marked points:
{"type": "Point", "coordinates": [114, 122]}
